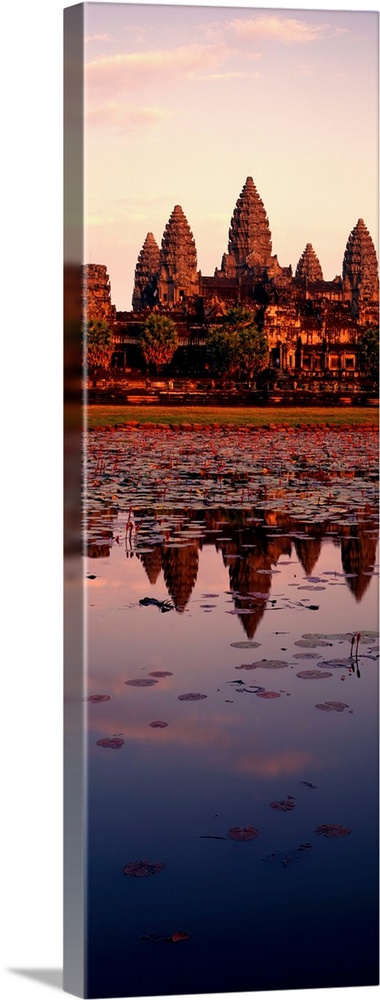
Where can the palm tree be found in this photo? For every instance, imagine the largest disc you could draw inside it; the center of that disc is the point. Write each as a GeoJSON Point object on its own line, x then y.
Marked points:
{"type": "Point", "coordinates": [97, 345]}
{"type": "Point", "coordinates": [158, 340]}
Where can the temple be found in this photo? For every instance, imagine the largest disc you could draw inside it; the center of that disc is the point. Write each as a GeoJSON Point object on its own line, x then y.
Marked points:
{"type": "Point", "coordinates": [312, 325]}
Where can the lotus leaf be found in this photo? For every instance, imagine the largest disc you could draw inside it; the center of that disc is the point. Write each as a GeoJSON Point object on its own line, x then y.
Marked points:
{"type": "Point", "coordinates": [95, 698]}
{"type": "Point", "coordinates": [141, 682]}
{"type": "Point", "coordinates": [332, 830]}
{"type": "Point", "coordinates": [160, 673]}
{"type": "Point", "coordinates": [268, 694]}
{"type": "Point", "coordinates": [140, 869]}
{"type": "Point", "coordinates": [285, 805]}
{"type": "Point", "coordinates": [192, 696]}
{"type": "Point", "coordinates": [113, 743]}
{"type": "Point", "coordinates": [243, 833]}
{"type": "Point", "coordinates": [314, 675]}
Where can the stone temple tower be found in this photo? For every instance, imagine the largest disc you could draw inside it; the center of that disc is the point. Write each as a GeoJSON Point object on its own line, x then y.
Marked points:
{"type": "Point", "coordinates": [146, 275]}
{"type": "Point", "coordinates": [360, 270]}
{"type": "Point", "coordinates": [308, 267]}
{"type": "Point", "coordinates": [178, 276]}
{"type": "Point", "coordinates": [250, 241]}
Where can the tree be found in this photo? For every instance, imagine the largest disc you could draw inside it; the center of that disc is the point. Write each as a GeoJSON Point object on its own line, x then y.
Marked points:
{"type": "Point", "coordinates": [237, 346]}
{"type": "Point", "coordinates": [368, 353]}
{"type": "Point", "coordinates": [158, 339]}
{"type": "Point", "coordinates": [97, 345]}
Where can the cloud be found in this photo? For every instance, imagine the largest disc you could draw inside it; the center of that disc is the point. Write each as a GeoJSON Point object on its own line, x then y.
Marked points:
{"type": "Point", "coordinates": [136, 69]}
{"type": "Point", "coordinates": [271, 765]}
{"type": "Point", "coordinates": [95, 220]}
{"type": "Point", "coordinates": [290, 31]}
{"type": "Point", "coordinates": [224, 76]}
{"type": "Point", "coordinates": [113, 114]}
{"type": "Point", "coordinates": [303, 69]}
{"type": "Point", "coordinates": [98, 38]}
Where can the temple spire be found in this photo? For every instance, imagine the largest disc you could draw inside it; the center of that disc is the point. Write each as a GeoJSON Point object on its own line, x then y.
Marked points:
{"type": "Point", "coordinates": [250, 240]}
{"type": "Point", "coordinates": [178, 260]}
{"type": "Point", "coordinates": [146, 274]}
{"type": "Point", "coordinates": [308, 267]}
{"type": "Point", "coordinates": [360, 268]}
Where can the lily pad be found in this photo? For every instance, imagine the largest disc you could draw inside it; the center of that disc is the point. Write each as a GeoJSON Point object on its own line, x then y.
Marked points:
{"type": "Point", "coordinates": [95, 698]}
{"type": "Point", "coordinates": [191, 696]}
{"type": "Point", "coordinates": [141, 682]}
{"type": "Point", "coordinates": [243, 833]}
{"type": "Point", "coordinates": [311, 643]}
{"type": "Point", "coordinates": [160, 673]}
{"type": "Point", "coordinates": [337, 663]}
{"type": "Point", "coordinates": [245, 645]}
{"type": "Point", "coordinates": [268, 694]}
{"type": "Point", "coordinates": [284, 805]}
{"type": "Point", "coordinates": [141, 869]}
{"type": "Point", "coordinates": [332, 706]}
{"type": "Point", "coordinates": [264, 664]}
{"type": "Point", "coordinates": [306, 656]}
{"type": "Point", "coordinates": [332, 830]}
{"type": "Point", "coordinates": [314, 675]}
{"type": "Point", "coordinates": [113, 743]}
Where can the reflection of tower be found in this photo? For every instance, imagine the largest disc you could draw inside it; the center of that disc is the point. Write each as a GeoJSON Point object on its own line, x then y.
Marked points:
{"type": "Point", "coordinates": [252, 586]}
{"type": "Point", "coordinates": [180, 565]}
{"type": "Point", "coordinates": [358, 556]}
{"type": "Point", "coordinates": [308, 552]}
{"type": "Point", "coordinates": [152, 563]}
{"type": "Point", "coordinates": [95, 550]}
{"type": "Point", "coordinates": [245, 579]}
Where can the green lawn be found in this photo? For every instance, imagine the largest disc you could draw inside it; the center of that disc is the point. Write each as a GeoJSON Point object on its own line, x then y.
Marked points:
{"type": "Point", "coordinates": [101, 416]}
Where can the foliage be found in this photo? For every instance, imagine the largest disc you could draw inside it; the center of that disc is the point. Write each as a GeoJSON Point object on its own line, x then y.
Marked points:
{"type": "Point", "coordinates": [158, 339]}
{"type": "Point", "coordinates": [368, 353]}
{"type": "Point", "coordinates": [97, 345]}
{"type": "Point", "coordinates": [237, 346]}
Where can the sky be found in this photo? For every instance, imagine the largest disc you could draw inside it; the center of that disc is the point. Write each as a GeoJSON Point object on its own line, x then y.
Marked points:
{"type": "Point", "coordinates": [182, 103]}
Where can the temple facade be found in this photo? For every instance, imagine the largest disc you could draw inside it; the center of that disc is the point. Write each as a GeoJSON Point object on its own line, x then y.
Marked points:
{"type": "Point", "coordinates": [311, 324]}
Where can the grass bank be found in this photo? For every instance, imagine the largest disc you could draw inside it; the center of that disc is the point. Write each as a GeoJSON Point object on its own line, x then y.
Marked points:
{"type": "Point", "coordinates": [254, 417]}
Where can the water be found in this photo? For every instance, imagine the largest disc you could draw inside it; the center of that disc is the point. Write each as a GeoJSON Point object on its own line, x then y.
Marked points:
{"type": "Point", "coordinates": [289, 908]}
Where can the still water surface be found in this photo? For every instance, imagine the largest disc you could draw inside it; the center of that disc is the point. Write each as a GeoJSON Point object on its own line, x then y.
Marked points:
{"type": "Point", "coordinates": [241, 601]}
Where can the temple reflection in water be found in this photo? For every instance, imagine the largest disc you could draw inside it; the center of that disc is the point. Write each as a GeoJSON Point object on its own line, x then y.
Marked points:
{"type": "Point", "coordinates": [250, 543]}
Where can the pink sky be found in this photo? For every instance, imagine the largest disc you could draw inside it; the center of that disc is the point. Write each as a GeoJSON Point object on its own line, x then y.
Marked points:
{"type": "Point", "coordinates": [182, 103]}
